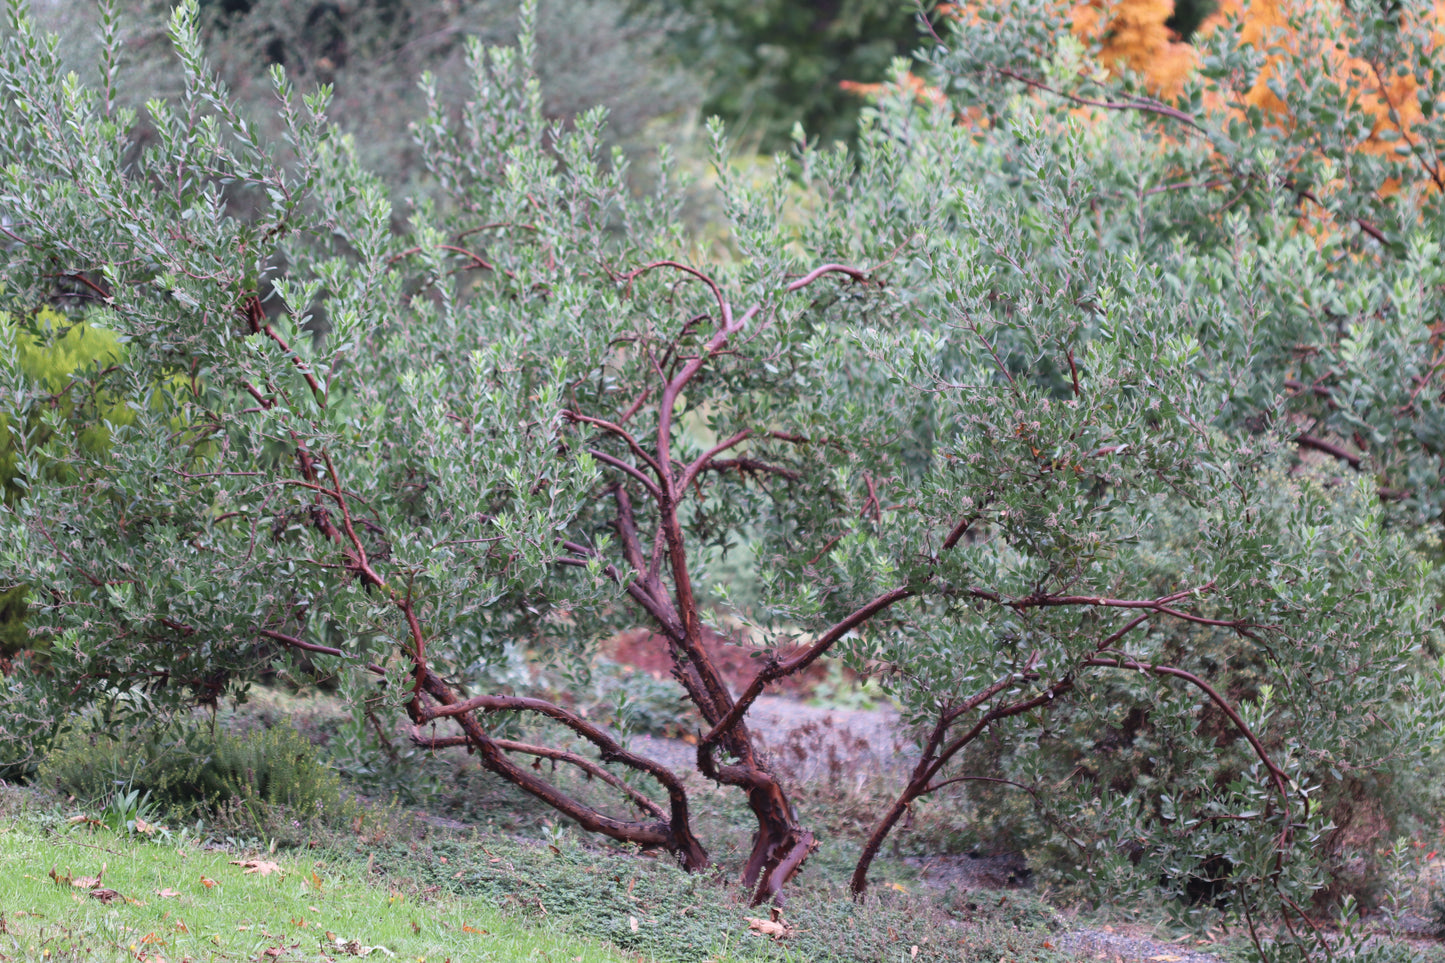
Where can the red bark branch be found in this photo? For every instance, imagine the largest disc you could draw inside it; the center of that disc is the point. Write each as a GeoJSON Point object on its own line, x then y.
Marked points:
{"type": "Point", "coordinates": [557, 755]}
{"type": "Point", "coordinates": [776, 669]}
{"type": "Point", "coordinates": [1329, 448]}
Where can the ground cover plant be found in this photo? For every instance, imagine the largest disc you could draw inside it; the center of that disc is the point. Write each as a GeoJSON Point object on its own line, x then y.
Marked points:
{"type": "Point", "coordinates": [402, 887]}
{"type": "Point", "coordinates": [986, 442]}
{"type": "Point", "coordinates": [131, 898]}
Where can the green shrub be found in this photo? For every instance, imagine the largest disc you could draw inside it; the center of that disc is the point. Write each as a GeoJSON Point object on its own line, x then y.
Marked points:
{"type": "Point", "coordinates": [634, 702]}
{"type": "Point", "coordinates": [192, 771]}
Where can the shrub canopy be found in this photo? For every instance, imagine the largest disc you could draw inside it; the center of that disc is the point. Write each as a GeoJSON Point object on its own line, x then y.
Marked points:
{"type": "Point", "coordinates": [994, 419]}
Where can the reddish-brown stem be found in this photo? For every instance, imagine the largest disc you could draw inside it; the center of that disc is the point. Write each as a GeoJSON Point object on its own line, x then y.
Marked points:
{"type": "Point", "coordinates": [610, 750]}
{"type": "Point", "coordinates": [477, 260]}
{"type": "Point", "coordinates": [362, 563]}
{"type": "Point", "coordinates": [295, 643]}
{"type": "Point", "coordinates": [936, 754]}
{"type": "Point", "coordinates": [634, 408]}
{"type": "Point", "coordinates": [674, 835]}
{"type": "Point", "coordinates": [824, 550]}
{"type": "Point", "coordinates": [1329, 448]}
{"type": "Point", "coordinates": [1433, 170]}
{"type": "Point", "coordinates": [717, 294]}
{"type": "Point", "coordinates": [493, 226]}
{"type": "Point", "coordinates": [261, 399]}
{"type": "Point", "coordinates": [317, 391]}
{"type": "Point", "coordinates": [1364, 225]}
{"type": "Point", "coordinates": [622, 466]}
{"type": "Point", "coordinates": [749, 466]}
{"type": "Point", "coordinates": [818, 272]}
{"type": "Point", "coordinates": [1142, 105]}
{"type": "Point", "coordinates": [101, 292]}
{"type": "Point", "coordinates": [556, 755]}
{"type": "Point", "coordinates": [779, 847]}
{"type": "Point", "coordinates": [620, 432]}
{"type": "Point", "coordinates": [706, 457]}
{"type": "Point", "coordinates": [935, 758]}
{"type": "Point", "coordinates": [777, 669]}
{"type": "Point", "coordinates": [1277, 775]}
{"type": "Point", "coordinates": [964, 524]}
{"type": "Point", "coordinates": [934, 787]}
{"type": "Point", "coordinates": [1160, 605]}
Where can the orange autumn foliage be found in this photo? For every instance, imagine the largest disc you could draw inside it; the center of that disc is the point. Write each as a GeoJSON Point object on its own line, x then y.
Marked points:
{"type": "Point", "coordinates": [924, 92]}
{"type": "Point", "coordinates": [1136, 37]}
{"type": "Point", "coordinates": [1133, 35]}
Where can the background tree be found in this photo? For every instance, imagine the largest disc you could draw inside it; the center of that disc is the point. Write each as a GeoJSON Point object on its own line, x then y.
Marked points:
{"type": "Point", "coordinates": [372, 52]}
{"type": "Point", "coordinates": [769, 66]}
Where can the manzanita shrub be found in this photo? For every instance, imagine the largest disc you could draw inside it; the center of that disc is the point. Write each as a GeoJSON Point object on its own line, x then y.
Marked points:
{"type": "Point", "coordinates": [1288, 164]}
{"type": "Point", "coordinates": [976, 440]}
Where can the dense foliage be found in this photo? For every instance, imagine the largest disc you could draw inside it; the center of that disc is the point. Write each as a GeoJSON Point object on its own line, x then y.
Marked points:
{"type": "Point", "coordinates": [1309, 199]}
{"type": "Point", "coordinates": [996, 421]}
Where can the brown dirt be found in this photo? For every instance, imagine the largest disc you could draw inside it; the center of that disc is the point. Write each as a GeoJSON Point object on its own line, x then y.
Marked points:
{"type": "Point", "coordinates": [738, 662]}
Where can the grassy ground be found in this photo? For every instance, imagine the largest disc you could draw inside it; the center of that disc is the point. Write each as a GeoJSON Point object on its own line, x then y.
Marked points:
{"type": "Point", "coordinates": [159, 901]}
{"type": "Point", "coordinates": [400, 889]}
{"type": "Point", "coordinates": [510, 884]}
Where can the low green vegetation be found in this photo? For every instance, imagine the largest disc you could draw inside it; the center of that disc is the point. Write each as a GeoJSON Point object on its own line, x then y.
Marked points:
{"type": "Point", "coordinates": [70, 893]}
{"type": "Point", "coordinates": [187, 769]}
{"type": "Point", "coordinates": [72, 887]}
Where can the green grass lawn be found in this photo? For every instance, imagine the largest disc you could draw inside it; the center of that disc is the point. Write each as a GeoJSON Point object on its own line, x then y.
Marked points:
{"type": "Point", "coordinates": [178, 902]}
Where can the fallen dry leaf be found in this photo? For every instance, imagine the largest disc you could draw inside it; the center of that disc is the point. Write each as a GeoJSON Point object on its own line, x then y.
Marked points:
{"type": "Point", "coordinates": [207, 883]}
{"type": "Point", "coordinates": [261, 867]}
{"type": "Point", "coordinates": [167, 893]}
{"type": "Point", "coordinates": [354, 947]}
{"type": "Point", "coordinates": [275, 951]}
{"type": "Point", "coordinates": [79, 882]}
{"type": "Point", "coordinates": [775, 928]}
{"type": "Point", "coordinates": [104, 895]}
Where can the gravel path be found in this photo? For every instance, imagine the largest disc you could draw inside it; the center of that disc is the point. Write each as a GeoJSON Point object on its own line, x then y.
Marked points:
{"type": "Point", "coordinates": [1109, 943]}
{"type": "Point", "coordinates": [806, 742]}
